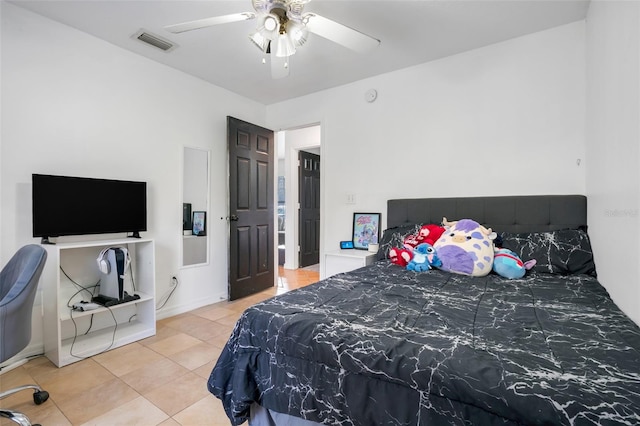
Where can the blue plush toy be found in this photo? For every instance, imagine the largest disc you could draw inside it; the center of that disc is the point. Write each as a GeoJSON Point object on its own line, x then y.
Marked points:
{"type": "Point", "coordinates": [509, 265]}
{"type": "Point", "coordinates": [424, 257]}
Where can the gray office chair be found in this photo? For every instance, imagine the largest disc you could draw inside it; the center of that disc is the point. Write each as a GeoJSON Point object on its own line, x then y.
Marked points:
{"type": "Point", "coordinates": [18, 285]}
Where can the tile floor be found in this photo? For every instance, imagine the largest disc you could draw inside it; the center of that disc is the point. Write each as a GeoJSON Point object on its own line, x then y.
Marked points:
{"type": "Point", "coordinates": [160, 380]}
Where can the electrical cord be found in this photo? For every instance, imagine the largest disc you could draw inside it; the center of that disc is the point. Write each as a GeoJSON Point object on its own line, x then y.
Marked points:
{"type": "Point", "coordinates": [69, 305]}
{"type": "Point", "coordinates": [80, 286]}
{"type": "Point", "coordinates": [75, 327]}
{"type": "Point", "coordinates": [90, 325]}
{"type": "Point", "coordinates": [165, 298]}
{"type": "Point", "coordinates": [81, 289]}
{"type": "Point", "coordinates": [133, 282]}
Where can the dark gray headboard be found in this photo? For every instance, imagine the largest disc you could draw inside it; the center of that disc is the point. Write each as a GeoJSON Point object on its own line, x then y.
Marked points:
{"type": "Point", "coordinates": [522, 213]}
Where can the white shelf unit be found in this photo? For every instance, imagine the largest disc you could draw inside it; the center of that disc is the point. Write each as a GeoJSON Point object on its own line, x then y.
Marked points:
{"type": "Point", "coordinates": [71, 336]}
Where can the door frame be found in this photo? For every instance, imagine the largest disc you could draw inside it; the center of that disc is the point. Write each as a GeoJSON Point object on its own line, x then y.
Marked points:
{"type": "Point", "coordinates": [291, 191]}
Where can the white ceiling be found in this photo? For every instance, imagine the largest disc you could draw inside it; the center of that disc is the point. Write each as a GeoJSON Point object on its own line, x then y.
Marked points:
{"type": "Point", "coordinates": [411, 32]}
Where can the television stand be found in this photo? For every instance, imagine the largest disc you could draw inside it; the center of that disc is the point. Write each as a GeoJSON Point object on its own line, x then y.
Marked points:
{"type": "Point", "coordinates": [108, 326]}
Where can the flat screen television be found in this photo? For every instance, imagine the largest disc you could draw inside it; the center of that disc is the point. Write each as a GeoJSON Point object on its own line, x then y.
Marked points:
{"type": "Point", "coordinates": [67, 205]}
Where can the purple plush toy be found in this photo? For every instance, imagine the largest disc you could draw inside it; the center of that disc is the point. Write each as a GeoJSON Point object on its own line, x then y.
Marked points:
{"type": "Point", "coordinates": [466, 247]}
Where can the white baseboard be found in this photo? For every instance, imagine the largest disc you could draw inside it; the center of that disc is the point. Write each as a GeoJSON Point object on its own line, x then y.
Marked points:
{"type": "Point", "coordinates": [21, 358]}
{"type": "Point", "coordinates": [171, 311]}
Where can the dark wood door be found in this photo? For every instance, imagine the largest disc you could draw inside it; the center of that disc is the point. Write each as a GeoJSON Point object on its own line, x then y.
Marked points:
{"type": "Point", "coordinates": [309, 197]}
{"type": "Point", "coordinates": [251, 200]}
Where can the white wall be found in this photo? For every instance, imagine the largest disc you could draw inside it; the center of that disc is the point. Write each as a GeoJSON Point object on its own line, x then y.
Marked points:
{"type": "Point", "coordinates": [612, 144]}
{"type": "Point", "coordinates": [75, 105]}
{"type": "Point", "coordinates": [501, 120]}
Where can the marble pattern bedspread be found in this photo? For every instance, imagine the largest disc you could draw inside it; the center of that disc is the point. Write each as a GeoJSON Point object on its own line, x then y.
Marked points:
{"type": "Point", "coordinates": [386, 346]}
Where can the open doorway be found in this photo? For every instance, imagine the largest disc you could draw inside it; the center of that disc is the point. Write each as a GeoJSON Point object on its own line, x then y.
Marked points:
{"type": "Point", "coordinates": [290, 144]}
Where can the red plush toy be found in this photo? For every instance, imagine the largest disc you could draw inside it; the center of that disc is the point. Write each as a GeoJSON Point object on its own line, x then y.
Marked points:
{"type": "Point", "coordinates": [429, 234]}
{"type": "Point", "coordinates": [411, 241]}
{"type": "Point", "coordinates": [400, 256]}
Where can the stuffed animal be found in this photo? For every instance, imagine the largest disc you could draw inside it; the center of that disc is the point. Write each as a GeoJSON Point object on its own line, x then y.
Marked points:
{"type": "Point", "coordinates": [466, 248]}
{"type": "Point", "coordinates": [411, 241]}
{"type": "Point", "coordinates": [400, 256]}
{"type": "Point", "coordinates": [426, 234]}
{"type": "Point", "coordinates": [424, 257]}
{"type": "Point", "coordinates": [429, 234]}
{"type": "Point", "coordinates": [509, 265]}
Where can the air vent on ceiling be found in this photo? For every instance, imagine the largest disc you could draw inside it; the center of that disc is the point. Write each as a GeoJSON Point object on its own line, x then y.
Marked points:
{"type": "Point", "coordinates": [154, 40]}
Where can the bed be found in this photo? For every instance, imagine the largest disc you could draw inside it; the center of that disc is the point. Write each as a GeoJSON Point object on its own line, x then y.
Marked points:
{"type": "Point", "coordinates": [385, 346]}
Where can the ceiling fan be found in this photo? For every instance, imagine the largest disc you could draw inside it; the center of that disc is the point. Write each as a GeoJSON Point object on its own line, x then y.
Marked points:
{"type": "Point", "coordinates": [282, 28]}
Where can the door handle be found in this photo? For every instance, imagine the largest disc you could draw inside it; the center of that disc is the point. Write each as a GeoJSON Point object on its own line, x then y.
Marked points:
{"type": "Point", "coordinates": [233, 218]}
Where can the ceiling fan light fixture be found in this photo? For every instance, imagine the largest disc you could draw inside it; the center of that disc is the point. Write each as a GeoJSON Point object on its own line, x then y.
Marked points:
{"type": "Point", "coordinates": [284, 46]}
{"type": "Point", "coordinates": [298, 33]}
{"type": "Point", "coordinates": [261, 41]}
{"type": "Point", "coordinates": [268, 26]}
{"type": "Point", "coordinates": [270, 23]}
{"type": "Point", "coordinates": [282, 27]}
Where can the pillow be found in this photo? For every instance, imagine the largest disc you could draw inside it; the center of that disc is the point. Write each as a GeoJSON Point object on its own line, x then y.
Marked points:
{"type": "Point", "coordinates": [565, 252]}
{"type": "Point", "coordinates": [394, 237]}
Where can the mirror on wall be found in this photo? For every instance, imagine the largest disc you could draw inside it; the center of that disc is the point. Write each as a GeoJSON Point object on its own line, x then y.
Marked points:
{"type": "Point", "coordinates": [195, 204]}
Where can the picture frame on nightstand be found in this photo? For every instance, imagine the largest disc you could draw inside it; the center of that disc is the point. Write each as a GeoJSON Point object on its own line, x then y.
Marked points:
{"type": "Point", "coordinates": [366, 229]}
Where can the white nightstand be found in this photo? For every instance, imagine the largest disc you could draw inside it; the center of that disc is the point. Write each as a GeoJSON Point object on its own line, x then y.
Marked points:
{"type": "Point", "coordinates": [339, 261]}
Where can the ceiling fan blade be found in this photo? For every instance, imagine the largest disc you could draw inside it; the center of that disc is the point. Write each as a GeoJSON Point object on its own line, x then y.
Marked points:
{"type": "Point", "coordinates": [209, 22]}
{"type": "Point", "coordinates": [279, 66]}
{"type": "Point", "coordinates": [341, 34]}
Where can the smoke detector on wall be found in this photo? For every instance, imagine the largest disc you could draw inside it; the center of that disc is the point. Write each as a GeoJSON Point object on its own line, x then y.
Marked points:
{"type": "Point", "coordinates": [371, 95]}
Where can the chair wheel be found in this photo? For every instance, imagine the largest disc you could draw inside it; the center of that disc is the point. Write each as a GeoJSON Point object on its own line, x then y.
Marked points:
{"type": "Point", "coordinates": [40, 396]}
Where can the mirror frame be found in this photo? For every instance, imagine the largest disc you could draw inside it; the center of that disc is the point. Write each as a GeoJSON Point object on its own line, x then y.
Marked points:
{"type": "Point", "coordinates": [183, 185]}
